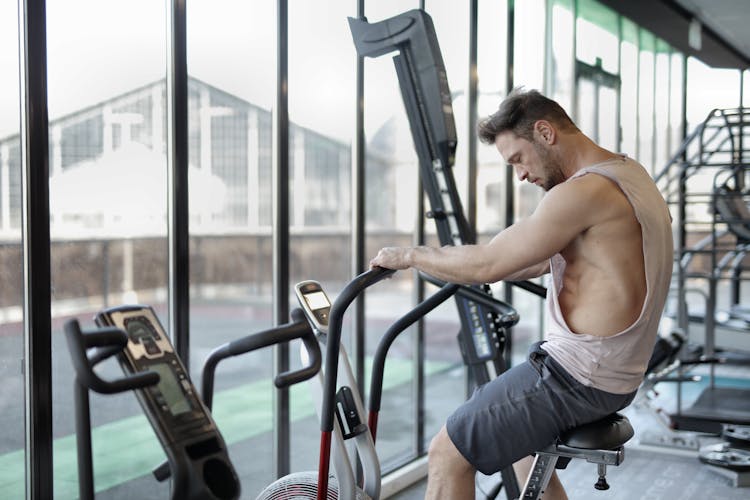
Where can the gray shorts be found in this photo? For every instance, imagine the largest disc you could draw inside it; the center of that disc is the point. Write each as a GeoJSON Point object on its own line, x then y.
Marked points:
{"type": "Point", "coordinates": [525, 409]}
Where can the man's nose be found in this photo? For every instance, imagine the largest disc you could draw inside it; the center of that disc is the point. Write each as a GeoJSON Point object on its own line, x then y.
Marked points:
{"type": "Point", "coordinates": [521, 173]}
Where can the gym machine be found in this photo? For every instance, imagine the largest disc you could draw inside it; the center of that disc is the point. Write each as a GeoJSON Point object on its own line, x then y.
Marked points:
{"type": "Point", "coordinates": [198, 462]}
{"type": "Point", "coordinates": [427, 98]}
{"type": "Point", "coordinates": [198, 459]}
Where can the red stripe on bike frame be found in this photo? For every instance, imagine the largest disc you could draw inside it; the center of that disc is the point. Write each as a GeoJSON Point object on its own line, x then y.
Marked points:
{"type": "Point", "coordinates": [324, 460]}
{"type": "Point", "coordinates": [372, 422]}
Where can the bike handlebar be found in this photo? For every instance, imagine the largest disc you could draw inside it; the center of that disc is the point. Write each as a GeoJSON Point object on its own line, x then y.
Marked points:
{"type": "Point", "coordinates": [108, 342]}
{"type": "Point", "coordinates": [298, 328]}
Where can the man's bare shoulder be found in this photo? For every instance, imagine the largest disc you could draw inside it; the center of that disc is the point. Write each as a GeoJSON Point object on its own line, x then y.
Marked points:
{"type": "Point", "coordinates": [592, 196]}
{"type": "Point", "coordinates": [586, 199]}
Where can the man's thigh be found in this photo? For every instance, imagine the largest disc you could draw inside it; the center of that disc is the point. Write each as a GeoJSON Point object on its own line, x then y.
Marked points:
{"type": "Point", "coordinates": [508, 418]}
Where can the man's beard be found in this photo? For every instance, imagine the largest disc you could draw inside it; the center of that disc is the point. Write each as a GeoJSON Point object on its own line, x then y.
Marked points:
{"type": "Point", "coordinates": [552, 167]}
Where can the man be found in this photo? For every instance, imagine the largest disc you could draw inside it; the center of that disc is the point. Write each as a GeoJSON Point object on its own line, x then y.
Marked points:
{"type": "Point", "coordinates": [603, 231]}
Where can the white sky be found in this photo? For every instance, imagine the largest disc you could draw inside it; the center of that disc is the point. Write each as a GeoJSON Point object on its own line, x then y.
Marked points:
{"type": "Point", "coordinates": [98, 49]}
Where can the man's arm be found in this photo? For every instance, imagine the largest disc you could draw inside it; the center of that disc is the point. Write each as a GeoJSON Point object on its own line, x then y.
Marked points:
{"type": "Point", "coordinates": [530, 272]}
{"type": "Point", "coordinates": [565, 212]}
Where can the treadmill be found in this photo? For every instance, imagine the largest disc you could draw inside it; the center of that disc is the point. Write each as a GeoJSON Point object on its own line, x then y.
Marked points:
{"type": "Point", "coordinates": [427, 98]}
{"type": "Point", "coordinates": [719, 404]}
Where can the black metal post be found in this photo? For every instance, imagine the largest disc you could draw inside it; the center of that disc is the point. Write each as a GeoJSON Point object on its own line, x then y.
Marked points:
{"type": "Point", "coordinates": [36, 249]}
{"type": "Point", "coordinates": [418, 338]}
{"type": "Point", "coordinates": [418, 379]}
{"type": "Point", "coordinates": [83, 441]}
{"type": "Point", "coordinates": [509, 191]}
{"type": "Point", "coordinates": [358, 216]}
{"type": "Point", "coordinates": [471, 137]}
{"type": "Point", "coordinates": [178, 219]}
{"type": "Point", "coordinates": [682, 320]}
{"type": "Point", "coordinates": [281, 236]}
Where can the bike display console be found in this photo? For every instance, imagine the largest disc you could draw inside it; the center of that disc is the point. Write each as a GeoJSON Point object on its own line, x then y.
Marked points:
{"type": "Point", "coordinates": [197, 454]}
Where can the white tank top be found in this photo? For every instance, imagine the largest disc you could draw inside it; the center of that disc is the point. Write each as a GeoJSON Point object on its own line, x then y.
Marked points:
{"type": "Point", "coordinates": [617, 363]}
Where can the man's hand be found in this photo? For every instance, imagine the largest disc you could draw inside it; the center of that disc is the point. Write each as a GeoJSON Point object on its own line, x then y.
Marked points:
{"type": "Point", "coordinates": [392, 258]}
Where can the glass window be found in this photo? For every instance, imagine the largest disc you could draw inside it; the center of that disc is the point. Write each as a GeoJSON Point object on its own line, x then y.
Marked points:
{"type": "Point", "coordinates": [231, 87]}
{"type": "Point", "coordinates": [322, 106]}
{"type": "Point", "coordinates": [12, 438]}
{"type": "Point", "coordinates": [675, 101]}
{"type": "Point", "coordinates": [562, 57]}
{"type": "Point", "coordinates": [646, 88]}
{"type": "Point", "coordinates": [492, 70]}
{"type": "Point", "coordinates": [586, 113]}
{"type": "Point", "coordinates": [444, 389]}
{"type": "Point", "coordinates": [528, 71]}
{"type": "Point", "coordinates": [708, 89]}
{"type": "Point", "coordinates": [108, 214]}
{"type": "Point", "coordinates": [392, 191]}
{"type": "Point", "coordinates": [597, 35]}
{"type": "Point", "coordinates": [629, 88]}
{"type": "Point", "coordinates": [661, 106]}
{"type": "Point", "coordinates": [528, 45]}
{"type": "Point", "coordinates": [454, 45]}
{"type": "Point", "coordinates": [596, 72]}
{"type": "Point", "coordinates": [391, 184]}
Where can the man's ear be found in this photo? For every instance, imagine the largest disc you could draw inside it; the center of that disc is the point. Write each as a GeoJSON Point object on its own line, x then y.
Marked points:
{"type": "Point", "coordinates": [545, 132]}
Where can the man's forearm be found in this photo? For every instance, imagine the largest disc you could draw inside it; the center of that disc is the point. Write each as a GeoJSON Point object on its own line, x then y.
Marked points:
{"type": "Point", "coordinates": [464, 264]}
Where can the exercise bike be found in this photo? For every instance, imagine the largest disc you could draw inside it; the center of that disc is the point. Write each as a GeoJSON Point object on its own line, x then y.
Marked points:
{"type": "Point", "coordinates": [197, 459]}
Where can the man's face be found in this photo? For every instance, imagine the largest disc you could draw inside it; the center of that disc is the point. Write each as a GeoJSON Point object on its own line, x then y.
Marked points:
{"type": "Point", "coordinates": [533, 161]}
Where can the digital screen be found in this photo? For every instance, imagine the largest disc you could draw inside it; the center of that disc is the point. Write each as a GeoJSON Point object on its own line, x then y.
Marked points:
{"type": "Point", "coordinates": [171, 389]}
{"type": "Point", "coordinates": [317, 300]}
{"type": "Point", "coordinates": [138, 329]}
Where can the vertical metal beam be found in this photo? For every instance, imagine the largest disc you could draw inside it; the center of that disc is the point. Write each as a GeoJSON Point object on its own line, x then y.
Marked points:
{"type": "Point", "coordinates": [654, 132]}
{"type": "Point", "coordinates": [418, 339]}
{"type": "Point", "coordinates": [177, 175]}
{"type": "Point", "coordinates": [418, 380]}
{"type": "Point", "coordinates": [684, 121]}
{"type": "Point", "coordinates": [509, 188]}
{"type": "Point", "coordinates": [618, 103]}
{"type": "Point", "coordinates": [358, 214]}
{"type": "Point", "coordinates": [281, 235]}
{"type": "Point", "coordinates": [668, 147]}
{"type": "Point", "coordinates": [741, 179]}
{"type": "Point", "coordinates": [36, 249]}
{"type": "Point", "coordinates": [471, 137]}
{"type": "Point", "coordinates": [574, 93]}
{"type": "Point", "coordinates": [682, 319]}
{"type": "Point", "coordinates": [638, 98]}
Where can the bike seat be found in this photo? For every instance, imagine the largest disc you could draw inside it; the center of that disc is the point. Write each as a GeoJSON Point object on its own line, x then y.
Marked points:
{"type": "Point", "coordinates": [608, 433]}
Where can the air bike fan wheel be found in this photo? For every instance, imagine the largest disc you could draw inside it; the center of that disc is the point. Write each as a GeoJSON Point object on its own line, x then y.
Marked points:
{"type": "Point", "coordinates": [303, 486]}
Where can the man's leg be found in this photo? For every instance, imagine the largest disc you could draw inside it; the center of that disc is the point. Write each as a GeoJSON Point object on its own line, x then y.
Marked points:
{"type": "Point", "coordinates": [554, 491]}
{"type": "Point", "coordinates": [449, 475]}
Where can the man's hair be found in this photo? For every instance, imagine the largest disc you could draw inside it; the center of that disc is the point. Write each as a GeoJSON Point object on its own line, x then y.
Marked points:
{"type": "Point", "coordinates": [518, 113]}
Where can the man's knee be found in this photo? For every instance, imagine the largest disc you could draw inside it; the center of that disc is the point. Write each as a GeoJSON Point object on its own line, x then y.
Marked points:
{"type": "Point", "coordinates": [443, 452]}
